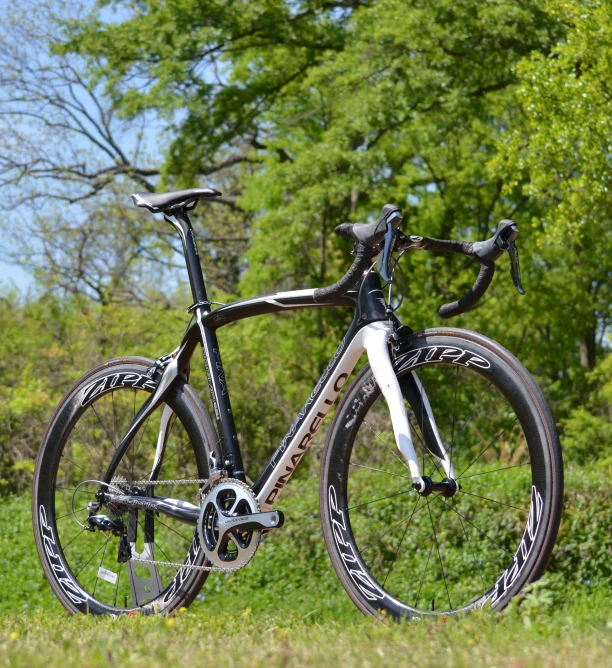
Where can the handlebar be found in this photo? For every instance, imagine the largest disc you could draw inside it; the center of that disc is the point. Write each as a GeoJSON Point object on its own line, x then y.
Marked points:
{"type": "Point", "coordinates": [362, 262]}
{"type": "Point", "coordinates": [382, 236]}
{"type": "Point", "coordinates": [486, 252]}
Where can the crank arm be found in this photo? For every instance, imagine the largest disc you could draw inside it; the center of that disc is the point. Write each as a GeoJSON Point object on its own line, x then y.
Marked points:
{"type": "Point", "coordinates": [184, 511]}
{"type": "Point", "coordinates": [255, 522]}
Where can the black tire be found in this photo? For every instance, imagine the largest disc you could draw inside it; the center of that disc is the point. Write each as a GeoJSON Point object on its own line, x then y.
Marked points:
{"type": "Point", "coordinates": [78, 444]}
{"type": "Point", "coordinates": [404, 556]}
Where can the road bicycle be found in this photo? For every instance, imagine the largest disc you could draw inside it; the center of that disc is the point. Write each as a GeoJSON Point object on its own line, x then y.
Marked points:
{"type": "Point", "coordinates": [441, 476]}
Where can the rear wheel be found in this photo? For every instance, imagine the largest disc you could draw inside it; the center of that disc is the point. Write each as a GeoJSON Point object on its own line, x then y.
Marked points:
{"type": "Point", "coordinates": [92, 572]}
{"type": "Point", "coordinates": [407, 556]}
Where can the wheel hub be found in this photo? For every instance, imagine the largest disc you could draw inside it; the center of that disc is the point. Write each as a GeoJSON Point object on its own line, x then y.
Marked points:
{"type": "Point", "coordinates": [426, 486]}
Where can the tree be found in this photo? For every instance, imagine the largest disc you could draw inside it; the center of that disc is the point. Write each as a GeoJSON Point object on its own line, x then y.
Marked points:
{"type": "Point", "coordinates": [560, 156]}
{"type": "Point", "coordinates": [68, 163]}
{"type": "Point", "coordinates": [315, 112]}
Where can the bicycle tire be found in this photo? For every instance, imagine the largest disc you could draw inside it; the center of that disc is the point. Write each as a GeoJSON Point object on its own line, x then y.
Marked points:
{"type": "Point", "coordinates": [348, 515]}
{"type": "Point", "coordinates": [68, 455]}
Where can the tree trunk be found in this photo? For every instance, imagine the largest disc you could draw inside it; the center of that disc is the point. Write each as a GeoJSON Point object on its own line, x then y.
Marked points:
{"type": "Point", "coordinates": [587, 350]}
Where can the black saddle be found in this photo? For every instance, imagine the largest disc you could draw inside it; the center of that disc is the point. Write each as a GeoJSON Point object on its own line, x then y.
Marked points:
{"type": "Point", "coordinates": [179, 200]}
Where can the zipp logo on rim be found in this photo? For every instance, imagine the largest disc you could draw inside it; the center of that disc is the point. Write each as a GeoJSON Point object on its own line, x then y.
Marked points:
{"type": "Point", "coordinates": [367, 587]}
{"type": "Point", "coordinates": [70, 588]}
{"type": "Point", "coordinates": [125, 379]}
{"type": "Point", "coordinates": [441, 354]}
{"type": "Point", "coordinates": [524, 549]}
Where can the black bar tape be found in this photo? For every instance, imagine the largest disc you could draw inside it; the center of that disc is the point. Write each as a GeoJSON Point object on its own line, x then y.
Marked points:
{"type": "Point", "coordinates": [363, 259]}
{"type": "Point", "coordinates": [438, 245]}
{"type": "Point", "coordinates": [468, 301]}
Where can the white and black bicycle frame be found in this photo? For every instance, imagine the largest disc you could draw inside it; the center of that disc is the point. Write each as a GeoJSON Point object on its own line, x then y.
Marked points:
{"type": "Point", "coordinates": [370, 331]}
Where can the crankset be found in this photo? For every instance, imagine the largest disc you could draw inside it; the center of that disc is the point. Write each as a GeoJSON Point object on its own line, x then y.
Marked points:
{"type": "Point", "coordinates": [230, 524]}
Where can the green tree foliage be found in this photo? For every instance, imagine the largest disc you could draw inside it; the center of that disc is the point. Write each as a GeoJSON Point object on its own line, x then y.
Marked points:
{"type": "Point", "coordinates": [560, 156]}
{"type": "Point", "coordinates": [311, 113]}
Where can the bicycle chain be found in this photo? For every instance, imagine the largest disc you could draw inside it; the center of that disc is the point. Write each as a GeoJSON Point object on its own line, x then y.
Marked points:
{"type": "Point", "coordinates": [170, 563]}
{"type": "Point", "coordinates": [189, 566]}
{"type": "Point", "coordinates": [164, 482]}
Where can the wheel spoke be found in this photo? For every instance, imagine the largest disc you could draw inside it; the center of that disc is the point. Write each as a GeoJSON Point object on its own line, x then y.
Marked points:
{"type": "Point", "coordinates": [87, 473]}
{"type": "Point", "coordinates": [397, 475]}
{"type": "Point", "coordinates": [388, 448]}
{"type": "Point", "coordinates": [382, 498]}
{"type": "Point", "coordinates": [93, 593]}
{"type": "Point", "coordinates": [501, 503]}
{"type": "Point", "coordinates": [439, 555]}
{"type": "Point", "coordinates": [178, 533]}
{"type": "Point", "coordinates": [449, 452]}
{"type": "Point", "coordinates": [64, 547]}
{"type": "Point", "coordinates": [97, 461]}
{"type": "Point", "coordinates": [425, 450]}
{"type": "Point", "coordinates": [114, 415]}
{"type": "Point", "coordinates": [144, 429]}
{"type": "Point", "coordinates": [93, 408]}
{"type": "Point", "coordinates": [486, 535]}
{"type": "Point", "coordinates": [402, 540]}
{"type": "Point", "coordinates": [76, 575]}
{"type": "Point", "coordinates": [501, 433]}
{"type": "Point", "coordinates": [426, 563]}
{"type": "Point", "coordinates": [78, 491]}
{"type": "Point", "coordinates": [117, 585]}
{"type": "Point", "coordinates": [454, 417]}
{"type": "Point", "coordinates": [61, 517]}
{"type": "Point", "coordinates": [154, 543]}
{"type": "Point", "coordinates": [393, 528]}
{"type": "Point", "coordinates": [504, 468]}
{"type": "Point", "coordinates": [465, 533]}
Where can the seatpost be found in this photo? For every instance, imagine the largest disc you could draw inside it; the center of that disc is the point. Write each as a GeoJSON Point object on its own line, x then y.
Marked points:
{"type": "Point", "coordinates": [232, 459]}
{"type": "Point", "coordinates": [181, 223]}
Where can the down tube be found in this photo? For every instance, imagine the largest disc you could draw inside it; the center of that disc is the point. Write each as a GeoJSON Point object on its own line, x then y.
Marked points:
{"type": "Point", "coordinates": [295, 444]}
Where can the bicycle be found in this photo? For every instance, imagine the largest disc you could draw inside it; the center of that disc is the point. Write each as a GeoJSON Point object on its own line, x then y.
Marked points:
{"type": "Point", "coordinates": [460, 517]}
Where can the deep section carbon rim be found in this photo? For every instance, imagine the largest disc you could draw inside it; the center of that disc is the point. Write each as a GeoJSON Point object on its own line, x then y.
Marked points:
{"type": "Point", "coordinates": [410, 555]}
{"type": "Point", "coordinates": [91, 568]}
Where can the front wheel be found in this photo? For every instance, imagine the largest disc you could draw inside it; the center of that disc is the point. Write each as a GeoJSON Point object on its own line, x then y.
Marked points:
{"type": "Point", "coordinates": [407, 556]}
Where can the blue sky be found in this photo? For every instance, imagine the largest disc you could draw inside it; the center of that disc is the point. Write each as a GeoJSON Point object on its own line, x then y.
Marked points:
{"type": "Point", "coordinates": [12, 275]}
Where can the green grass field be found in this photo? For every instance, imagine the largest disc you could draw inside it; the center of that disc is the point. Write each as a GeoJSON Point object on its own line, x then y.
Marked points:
{"type": "Point", "coordinates": [287, 607]}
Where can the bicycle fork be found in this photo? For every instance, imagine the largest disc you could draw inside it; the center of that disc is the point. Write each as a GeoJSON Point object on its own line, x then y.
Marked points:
{"type": "Point", "coordinates": [376, 344]}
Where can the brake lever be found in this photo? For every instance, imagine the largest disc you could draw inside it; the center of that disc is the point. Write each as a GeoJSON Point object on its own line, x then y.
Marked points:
{"type": "Point", "coordinates": [505, 242]}
{"type": "Point", "coordinates": [382, 259]}
{"type": "Point", "coordinates": [515, 268]}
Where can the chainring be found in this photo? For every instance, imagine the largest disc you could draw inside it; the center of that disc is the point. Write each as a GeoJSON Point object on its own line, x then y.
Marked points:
{"type": "Point", "coordinates": [234, 549]}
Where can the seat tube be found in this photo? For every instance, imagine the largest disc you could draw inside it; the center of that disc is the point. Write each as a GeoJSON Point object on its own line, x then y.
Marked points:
{"type": "Point", "coordinates": [210, 349]}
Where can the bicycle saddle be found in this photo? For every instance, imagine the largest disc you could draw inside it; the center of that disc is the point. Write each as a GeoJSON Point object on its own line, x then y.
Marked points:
{"type": "Point", "coordinates": [372, 234]}
{"type": "Point", "coordinates": [173, 201]}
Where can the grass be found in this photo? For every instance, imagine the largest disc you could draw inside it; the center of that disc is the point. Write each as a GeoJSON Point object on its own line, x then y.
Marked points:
{"type": "Point", "coordinates": [578, 633]}
{"type": "Point", "coordinates": [287, 607]}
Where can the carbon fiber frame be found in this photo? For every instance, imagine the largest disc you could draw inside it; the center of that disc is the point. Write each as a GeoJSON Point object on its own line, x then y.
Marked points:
{"type": "Point", "coordinates": [366, 299]}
